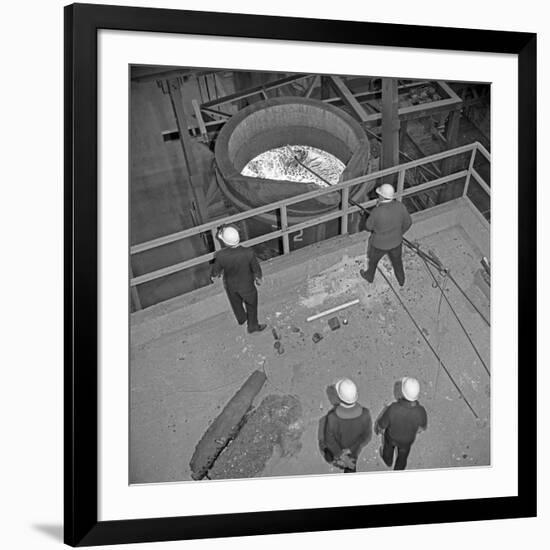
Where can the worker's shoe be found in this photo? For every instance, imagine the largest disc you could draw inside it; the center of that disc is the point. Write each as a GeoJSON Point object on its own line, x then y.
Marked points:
{"type": "Point", "coordinates": [363, 274]}
{"type": "Point", "coordinates": [259, 328]}
{"type": "Point", "coordinates": [242, 322]}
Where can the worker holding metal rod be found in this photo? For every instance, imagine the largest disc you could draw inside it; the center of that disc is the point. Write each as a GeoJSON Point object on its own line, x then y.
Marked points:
{"type": "Point", "coordinates": [388, 221]}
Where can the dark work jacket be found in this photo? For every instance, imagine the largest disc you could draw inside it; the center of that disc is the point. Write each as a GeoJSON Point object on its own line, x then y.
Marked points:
{"type": "Point", "coordinates": [388, 222]}
{"type": "Point", "coordinates": [347, 433]}
{"type": "Point", "coordinates": [402, 419]}
{"type": "Point", "coordinates": [239, 266]}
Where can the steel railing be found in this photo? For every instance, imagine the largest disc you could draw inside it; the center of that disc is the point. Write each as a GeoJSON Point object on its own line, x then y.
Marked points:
{"type": "Point", "coordinates": [342, 211]}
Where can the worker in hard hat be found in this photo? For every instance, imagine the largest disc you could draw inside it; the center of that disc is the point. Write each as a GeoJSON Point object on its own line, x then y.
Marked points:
{"type": "Point", "coordinates": [241, 273]}
{"type": "Point", "coordinates": [348, 427]}
{"type": "Point", "coordinates": [388, 222]}
{"type": "Point", "coordinates": [400, 422]}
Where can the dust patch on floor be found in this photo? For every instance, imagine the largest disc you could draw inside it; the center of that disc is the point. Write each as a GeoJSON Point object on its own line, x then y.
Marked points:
{"type": "Point", "coordinates": [338, 280]}
{"type": "Point", "coordinates": [276, 424]}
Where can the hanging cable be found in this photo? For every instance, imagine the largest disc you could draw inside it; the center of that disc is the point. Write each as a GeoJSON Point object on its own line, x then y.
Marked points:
{"type": "Point", "coordinates": [428, 343]}
{"type": "Point", "coordinates": [438, 317]}
{"type": "Point", "coordinates": [457, 318]}
{"type": "Point", "coordinates": [469, 300]}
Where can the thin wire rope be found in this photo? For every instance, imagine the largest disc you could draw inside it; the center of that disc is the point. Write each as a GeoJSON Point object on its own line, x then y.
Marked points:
{"type": "Point", "coordinates": [469, 299]}
{"type": "Point", "coordinates": [428, 343]}
{"type": "Point", "coordinates": [438, 348]}
{"type": "Point", "coordinates": [441, 269]}
{"type": "Point", "coordinates": [458, 319]}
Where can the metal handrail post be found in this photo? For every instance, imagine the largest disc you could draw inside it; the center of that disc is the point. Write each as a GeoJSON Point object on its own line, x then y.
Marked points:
{"type": "Point", "coordinates": [217, 245]}
{"type": "Point", "coordinates": [133, 290]}
{"type": "Point", "coordinates": [400, 184]}
{"type": "Point", "coordinates": [284, 228]}
{"type": "Point", "coordinates": [470, 168]}
{"type": "Point", "coordinates": [345, 206]}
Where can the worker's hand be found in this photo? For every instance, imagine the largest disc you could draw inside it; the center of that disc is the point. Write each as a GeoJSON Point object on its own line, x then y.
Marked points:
{"type": "Point", "coordinates": [258, 281]}
{"type": "Point", "coordinates": [345, 460]}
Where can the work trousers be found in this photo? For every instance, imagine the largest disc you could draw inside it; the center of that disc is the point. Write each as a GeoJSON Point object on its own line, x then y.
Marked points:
{"type": "Point", "coordinates": [375, 255]}
{"type": "Point", "coordinates": [388, 452]}
{"type": "Point", "coordinates": [245, 306]}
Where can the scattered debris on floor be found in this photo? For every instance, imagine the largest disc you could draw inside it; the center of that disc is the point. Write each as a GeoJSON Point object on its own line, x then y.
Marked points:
{"type": "Point", "coordinates": [276, 423]}
{"type": "Point", "coordinates": [332, 310]}
{"type": "Point", "coordinates": [226, 425]}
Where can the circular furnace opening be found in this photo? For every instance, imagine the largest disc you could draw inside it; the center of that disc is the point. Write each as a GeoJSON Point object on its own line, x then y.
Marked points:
{"type": "Point", "coordinates": [298, 163]}
{"type": "Point", "coordinates": [266, 129]}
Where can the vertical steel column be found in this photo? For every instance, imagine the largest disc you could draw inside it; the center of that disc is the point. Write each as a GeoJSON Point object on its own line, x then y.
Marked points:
{"type": "Point", "coordinates": [390, 125]}
{"type": "Point", "coordinates": [451, 135]}
{"type": "Point", "coordinates": [195, 179]}
{"type": "Point", "coordinates": [448, 165]}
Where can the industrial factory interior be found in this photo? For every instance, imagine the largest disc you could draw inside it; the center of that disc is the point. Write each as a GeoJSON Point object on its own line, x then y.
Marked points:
{"type": "Point", "coordinates": [329, 362]}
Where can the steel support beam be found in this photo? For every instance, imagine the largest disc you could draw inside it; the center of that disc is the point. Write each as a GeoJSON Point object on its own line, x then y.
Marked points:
{"type": "Point", "coordinates": [348, 98]}
{"type": "Point", "coordinates": [194, 177]}
{"type": "Point", "coordinates": [255, 90]}
{"type": "Point", "coordinates": [390, 125]}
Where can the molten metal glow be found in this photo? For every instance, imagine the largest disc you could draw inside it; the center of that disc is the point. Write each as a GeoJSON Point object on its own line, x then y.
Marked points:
{"type": "Point", "coordinates": [287, 164]}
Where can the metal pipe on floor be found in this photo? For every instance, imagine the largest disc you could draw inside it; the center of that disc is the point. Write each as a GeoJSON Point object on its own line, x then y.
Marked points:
{"type": "Point", "coordinates": [332, 310]}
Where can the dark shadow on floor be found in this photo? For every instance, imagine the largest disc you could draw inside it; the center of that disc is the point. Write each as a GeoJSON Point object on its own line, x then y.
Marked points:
{"type": "Point", "coordinates": [54, 531]}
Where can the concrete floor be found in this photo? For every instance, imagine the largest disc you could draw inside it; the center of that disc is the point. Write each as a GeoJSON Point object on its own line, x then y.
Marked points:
{"type": "Point", "coordinates": [189, 357]}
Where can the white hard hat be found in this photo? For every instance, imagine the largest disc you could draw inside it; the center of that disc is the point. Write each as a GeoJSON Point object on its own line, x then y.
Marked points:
{"type": "Point", "coordinates": [386, 191]}
{"type": "Point", "coordinates": [410, 388]}
{"type": "Point", "coordinates": [230, 236]}
{"type": "Point", "coordinates": [347, 391]}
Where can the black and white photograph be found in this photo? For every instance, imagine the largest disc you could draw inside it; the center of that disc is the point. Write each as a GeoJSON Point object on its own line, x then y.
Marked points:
{"type": "Point", "coordinates": [274, 275]}
{"type": "Point", "coordinates": [309, 274]}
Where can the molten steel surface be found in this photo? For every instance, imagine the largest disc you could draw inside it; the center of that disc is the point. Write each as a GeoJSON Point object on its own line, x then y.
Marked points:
{"type": "Point", "coordinates": [281, 164]}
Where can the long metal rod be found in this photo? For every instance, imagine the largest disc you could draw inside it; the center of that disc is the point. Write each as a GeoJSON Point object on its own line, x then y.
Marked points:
{"type": "Point", "coordinates": [332, 310]}
{"type": "Point", "coordinates": [428, 343]}
{"type": "Point", "coordinates": [457, 318]}
{"type": "Point", "coordinates": [307, 167]}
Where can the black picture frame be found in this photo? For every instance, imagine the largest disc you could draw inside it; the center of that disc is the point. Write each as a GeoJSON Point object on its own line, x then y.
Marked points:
{"type": "Point", "coordinates": [81, 25]}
